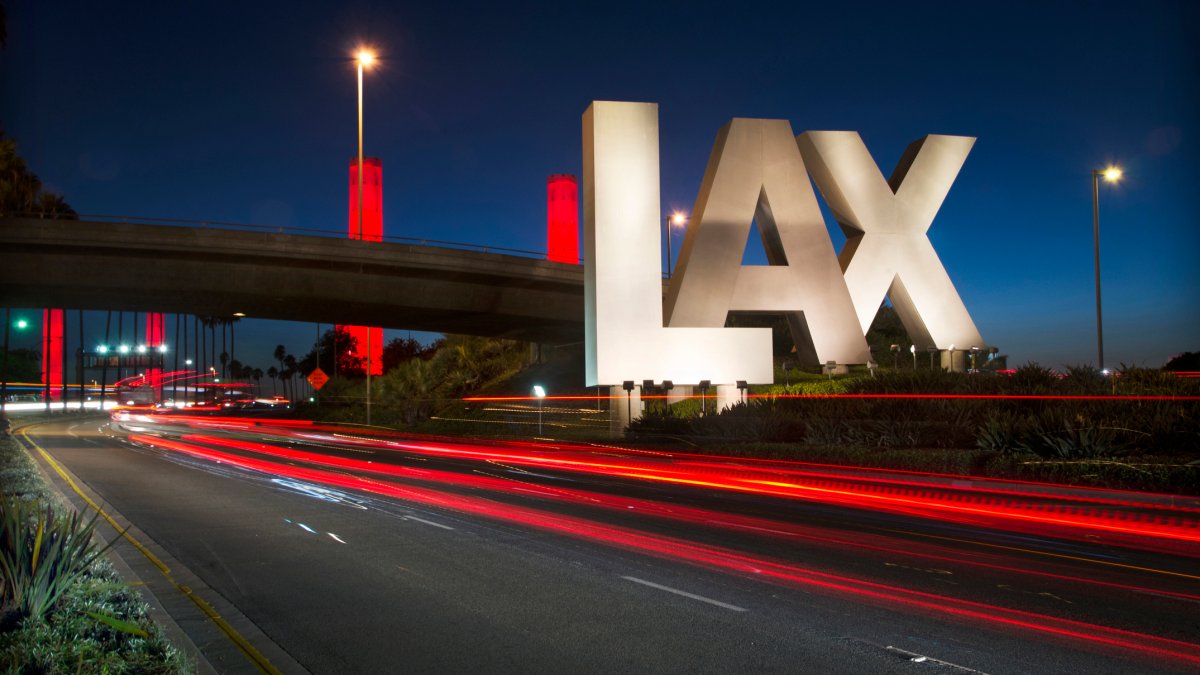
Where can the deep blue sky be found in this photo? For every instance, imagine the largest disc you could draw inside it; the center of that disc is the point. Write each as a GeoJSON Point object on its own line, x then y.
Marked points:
{"type": "Point", "coordinates": [247, 114]}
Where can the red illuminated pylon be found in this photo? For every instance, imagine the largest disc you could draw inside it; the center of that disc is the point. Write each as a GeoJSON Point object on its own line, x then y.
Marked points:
{"type": "Point", "coordinates": [52, 351]}
{"type": "Point", "coordinates": [562, 219]}
{"type": "Point", "coordinates": [372, 230]}
{"type": "Point", "coordinates": [154, 338]}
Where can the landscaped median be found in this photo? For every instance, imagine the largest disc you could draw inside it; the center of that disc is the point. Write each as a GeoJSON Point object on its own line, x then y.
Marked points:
{"type": "Point", "coordinates": [63, 607]}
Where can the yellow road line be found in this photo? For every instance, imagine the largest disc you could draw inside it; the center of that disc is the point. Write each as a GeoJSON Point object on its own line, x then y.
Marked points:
{"type": "Point", "coordinates": [234, 636]}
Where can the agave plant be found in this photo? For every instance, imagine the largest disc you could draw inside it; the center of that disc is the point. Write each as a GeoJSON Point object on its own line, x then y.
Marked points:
{"type": "Point", "coordinates": [42, 553]}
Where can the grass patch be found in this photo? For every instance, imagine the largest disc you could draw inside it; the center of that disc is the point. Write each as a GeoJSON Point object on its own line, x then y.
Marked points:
{"type": "Point", "coordinates": [95, 623]}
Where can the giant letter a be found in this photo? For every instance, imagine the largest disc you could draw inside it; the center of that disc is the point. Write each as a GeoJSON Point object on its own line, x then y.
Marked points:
{"type": "Point", "coordinates": [756, 174]}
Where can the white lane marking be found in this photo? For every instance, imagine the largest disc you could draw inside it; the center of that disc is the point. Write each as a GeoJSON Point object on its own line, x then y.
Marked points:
{"type": "Point", "coordinates": [921, 658]}
{"type": "Point", "coordinates": [336, 538]}
{"type": "Point", "coordinates": [685, 594]}
{"type": "Point", "coordinates": [428, 522]}
{"type": "Point", "coordinates": [307, 528]}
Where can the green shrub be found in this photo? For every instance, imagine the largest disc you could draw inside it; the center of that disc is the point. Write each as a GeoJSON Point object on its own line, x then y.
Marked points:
{"type": "Point", "coordinates": [41, 554]}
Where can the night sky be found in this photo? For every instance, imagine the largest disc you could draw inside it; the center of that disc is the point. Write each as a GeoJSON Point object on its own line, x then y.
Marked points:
{"type": "Point", "coordinates": [247, 114]}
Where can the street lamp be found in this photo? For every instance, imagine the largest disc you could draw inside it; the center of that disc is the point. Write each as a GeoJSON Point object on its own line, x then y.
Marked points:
{"type": "Point", "coordinates": [676, 219]}
{"type": "Point", "coordinates": [365, 59]}
{"type": "Point", "coordinates": [21, 324]}
{"type": "Point", "coordinates": [1112, 174]}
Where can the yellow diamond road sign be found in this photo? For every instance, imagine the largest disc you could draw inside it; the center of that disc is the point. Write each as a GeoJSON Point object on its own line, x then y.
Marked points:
{"type": "Point", "coordinates": [317, 378]}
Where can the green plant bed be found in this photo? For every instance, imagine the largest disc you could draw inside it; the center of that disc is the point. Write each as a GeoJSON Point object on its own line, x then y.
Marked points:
{"type": "Point", "coordinates": [95, 623]}
{"type": "Point", "coordinates": [1147, 473]}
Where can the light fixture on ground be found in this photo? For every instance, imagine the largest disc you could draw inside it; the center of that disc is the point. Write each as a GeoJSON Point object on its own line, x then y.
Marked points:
{"type": "Point", "coordinates": [540, 393]}
{"type": "Point", "coordinates": [742, 386]}
{"type": "Point", "coordinates": [1111, 175]}
{"type": "Point", "coordinates": [704, 385]}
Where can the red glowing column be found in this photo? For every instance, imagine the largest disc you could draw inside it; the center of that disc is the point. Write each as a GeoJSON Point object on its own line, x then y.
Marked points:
{"type": "Point", "coordinates": [52, 351]}
{"type": "Point", "coordinates": [372, 230]}
{"type": "Point", "coordinates": [154, 338]}
{"type": "Point", "coordinates": [562, 216]}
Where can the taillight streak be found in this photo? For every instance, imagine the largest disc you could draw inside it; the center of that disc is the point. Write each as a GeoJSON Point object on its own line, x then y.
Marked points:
{"type": "Point", "coordinates": [714, 557]}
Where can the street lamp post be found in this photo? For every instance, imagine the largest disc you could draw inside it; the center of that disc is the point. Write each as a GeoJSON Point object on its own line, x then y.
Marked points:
{"type": "Point", "coordinates": [4, 368]}
{"type": "Point", "coordinates": [678, 218]}
{"type": "Point", "coordinates": [1112, 174]}
{"type": "Point", "coordinates": [364, 58]}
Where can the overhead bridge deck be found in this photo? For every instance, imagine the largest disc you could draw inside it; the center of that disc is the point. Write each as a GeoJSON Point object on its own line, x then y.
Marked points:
{"type": "Point", "coordinates": [83, 264]}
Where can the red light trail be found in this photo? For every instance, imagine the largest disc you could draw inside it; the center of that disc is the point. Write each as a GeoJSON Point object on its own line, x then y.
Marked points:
{"type": "Point", "coordinates": [710, 556]}
{"type": "Point", "coordinates": [1039, 509]}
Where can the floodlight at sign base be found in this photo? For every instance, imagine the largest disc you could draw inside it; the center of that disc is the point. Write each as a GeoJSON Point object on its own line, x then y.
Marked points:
{"type": "Point", "coordinates": [647, 384]}
{"type": "Point", "coordinates": [668, 385]}
{"type": "Point", "coordinates": [627, 385]}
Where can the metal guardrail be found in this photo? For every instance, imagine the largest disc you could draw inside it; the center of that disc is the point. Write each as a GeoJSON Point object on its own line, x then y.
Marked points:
{"type": "Point", "coordinates": [335, 234]}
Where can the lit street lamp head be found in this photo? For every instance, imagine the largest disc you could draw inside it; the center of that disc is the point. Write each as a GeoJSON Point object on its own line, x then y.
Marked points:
{"type": "Point", "coordinates": [678, 218]}
{"type": "Point", "coordinates": [1112, 174]}
{"type": "Point", "coordinates": [365, 57]}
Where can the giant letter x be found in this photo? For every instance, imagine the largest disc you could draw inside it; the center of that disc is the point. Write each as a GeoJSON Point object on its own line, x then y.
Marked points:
{"type": "Point", "coordinates": [887, 251]}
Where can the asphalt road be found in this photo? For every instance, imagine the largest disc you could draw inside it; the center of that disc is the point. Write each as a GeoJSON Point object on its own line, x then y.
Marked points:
{"type": "Point", "coordinates": [513, 569]}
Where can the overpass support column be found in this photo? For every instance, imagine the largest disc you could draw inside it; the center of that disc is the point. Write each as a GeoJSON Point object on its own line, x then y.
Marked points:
{"type": "Point", "coordinates": [623, 407]}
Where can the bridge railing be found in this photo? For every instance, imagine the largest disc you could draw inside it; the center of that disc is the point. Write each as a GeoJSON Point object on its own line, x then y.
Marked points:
{"type": "Point", "coordinates": [335, 234]}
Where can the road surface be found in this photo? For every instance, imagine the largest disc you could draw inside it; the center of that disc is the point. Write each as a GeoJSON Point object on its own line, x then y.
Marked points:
{"type": "Point", "coordinates": [334, 550]}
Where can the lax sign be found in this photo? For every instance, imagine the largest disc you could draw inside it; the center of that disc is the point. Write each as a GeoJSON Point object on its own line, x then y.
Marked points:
{"type": "Point", "coordinates": [759, 172]}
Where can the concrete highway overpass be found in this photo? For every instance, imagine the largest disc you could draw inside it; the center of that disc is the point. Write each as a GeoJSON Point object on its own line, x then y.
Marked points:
{"type": "Point", "coordinates": [79, 264]}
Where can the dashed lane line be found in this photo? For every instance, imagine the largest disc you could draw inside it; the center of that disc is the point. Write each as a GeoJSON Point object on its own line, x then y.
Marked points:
{"type": "Point", "coordinates": [685, 594]}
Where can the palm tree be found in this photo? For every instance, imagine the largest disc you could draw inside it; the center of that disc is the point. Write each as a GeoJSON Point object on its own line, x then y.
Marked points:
{"type": "Point", "coordinates": [292, 369]}
{"type": "Point", "coordinates": [273, 373]}
{"type": "Point", "coordinates": [257, 374]}
{"type": "Point", "coordinates": [18, 185]}
{"type": "Point", "coordinates": [50, 205]}
{"type": "Point", "coordinates": [280, 354]}
{"type": "Point", "coordinates": [232, 322]}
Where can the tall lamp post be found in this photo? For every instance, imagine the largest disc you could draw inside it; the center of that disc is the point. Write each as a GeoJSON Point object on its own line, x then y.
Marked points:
{"type": "Point", "coordinates": [1112, 174]}
{"type": "Point", "coordinates": [678, 218]}
{"type": "Point", "coordinates": [365, 58]}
